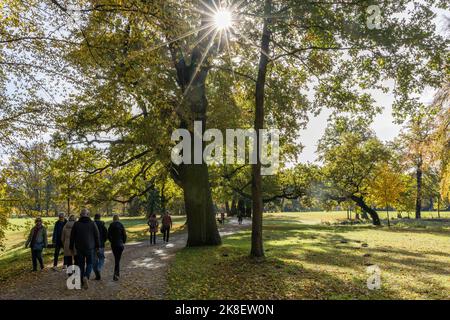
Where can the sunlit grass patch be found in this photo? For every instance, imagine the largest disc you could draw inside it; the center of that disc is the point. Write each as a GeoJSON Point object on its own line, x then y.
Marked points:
{"type": "Point", "coordinates": [315, 261]}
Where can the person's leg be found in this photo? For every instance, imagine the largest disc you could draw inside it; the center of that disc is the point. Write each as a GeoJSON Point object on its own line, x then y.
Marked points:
{"type": "Point", "coordinates": [154, 237]}
{"type": "Point", "coordinates": [95, 262]}
{"type": "Point", "coordinates": [81, 264]}
{"type": "Point", "coordinates": [117, 251]}
{"type": "Point", "coordinates": [89, 262]}
{"type": "Point", "coordinates": [168, 232]}
{"type": "Point", "coordinates": [39, 258]}
{"type": "Point", "coordinates": [101, 259]}
{"type": "Point", "coordinates": [56, 255]}
{"type": "Point", "coordinates": [119, 257]}
{"type": "Point", "coordinates": [67, 261]}
{"type": "Point", "coordinates": [116, 257]}
{"type": "Point", "coordinates": [34, 259]}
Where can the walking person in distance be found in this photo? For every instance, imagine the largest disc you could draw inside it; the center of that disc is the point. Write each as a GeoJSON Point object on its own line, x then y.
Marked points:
{"type": "Point", "coordinates": [56, 239]}
{"type": "Point", "coordinates": [166, 226]}
{"type": "Point", "coordinates": [153, 225]}
{"type": "Point", "coordinates": [37, 241]}
{"type": "Point", "coordinates": [99, 258]}
{"type": "Point", "coordinates": [118, 237]}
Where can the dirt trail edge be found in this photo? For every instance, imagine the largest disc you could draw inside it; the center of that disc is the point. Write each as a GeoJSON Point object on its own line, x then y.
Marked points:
{"type": "Point", "coordinates": [143, 274]}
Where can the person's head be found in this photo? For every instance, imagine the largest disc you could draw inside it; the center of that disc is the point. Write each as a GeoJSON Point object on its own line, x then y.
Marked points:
{"type": "Point", "coordinates": [84, 212]}
{"type": "Point", "coordinates": [61, 216]}
{"type": "Point", "coordinates": [153, 215]}
{"type": "Point", "coordinates": [72, 217]}
{"type": "Point", "coordinates": [97, 216]}
{"type": "Point", "coordinates": [116, 217]}
{"type": "Point", "coordinates": [38, 221]}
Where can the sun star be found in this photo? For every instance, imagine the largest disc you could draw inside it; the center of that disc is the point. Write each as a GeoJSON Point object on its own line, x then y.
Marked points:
{"type": "Point", "coordinates": [223, 19]}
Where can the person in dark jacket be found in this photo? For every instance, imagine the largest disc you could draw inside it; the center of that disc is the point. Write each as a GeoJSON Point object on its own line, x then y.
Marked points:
{"type": "Point", "coordinates": [56, 238]}
{"type": "Point", "coordinates": [99, 259]}
{"type": "Point", "coordinates": [166, 225]}
{"type": "Point", "coordinates": [37, 241]}
{"type": "Point", "coordinates": [85, 239]}
{"type": "Point", "coordinates": [118, 237]}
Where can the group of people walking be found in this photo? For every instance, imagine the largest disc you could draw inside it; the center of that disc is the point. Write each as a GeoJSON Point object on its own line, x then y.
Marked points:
{"type": "Point", "coordinates": [83, 242]}
{"type": "Point", "coordinates": [166, 225]}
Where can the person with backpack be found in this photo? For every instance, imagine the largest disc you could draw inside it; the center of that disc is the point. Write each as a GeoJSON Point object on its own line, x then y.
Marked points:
{"type": "Point", "coordinates": [118, 237]}
{"type": "Point", "coordinates": [153, 224]}
{"type": "Point", "coordinates": [56, 238]}
{"type": "Point", "coordinates": [166, 225]}
{"type": "Point", "coordinates": [69, 255]}
{"type": "Point", "coordinates": [37, 241]}
{"type": "Point", "coordinates": [85, 239]}
{"type": "Point", "coordinates": [99, 259]}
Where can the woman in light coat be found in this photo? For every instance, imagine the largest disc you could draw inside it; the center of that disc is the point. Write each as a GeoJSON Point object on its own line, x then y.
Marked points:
{"type": "Point", "coordinates": [69, 255]}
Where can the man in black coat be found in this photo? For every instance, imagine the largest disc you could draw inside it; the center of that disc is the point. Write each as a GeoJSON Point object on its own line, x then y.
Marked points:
{"type": "Point", "coordinates": [86, 239]}
{"type": "Point", "coordinates": [117, 236]}
{"type": "Point", "coordinates": [56, 238]}
{"type": "Point", "coordinates": [99, 259]}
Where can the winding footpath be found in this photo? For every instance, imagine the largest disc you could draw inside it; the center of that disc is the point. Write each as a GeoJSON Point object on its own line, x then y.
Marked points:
{"type": "Point", "coordinates": [144, 270]}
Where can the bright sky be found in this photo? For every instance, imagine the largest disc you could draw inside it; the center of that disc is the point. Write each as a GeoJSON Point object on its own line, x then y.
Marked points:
{"type": "Point", "coordinates": [384, 125]}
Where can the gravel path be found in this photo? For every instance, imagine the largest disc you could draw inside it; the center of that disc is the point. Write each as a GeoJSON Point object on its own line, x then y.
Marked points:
{"type": "Point", "coordinates": [143, 275]}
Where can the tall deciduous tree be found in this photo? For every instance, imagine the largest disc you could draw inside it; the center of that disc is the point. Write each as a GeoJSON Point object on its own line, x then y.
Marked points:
{"type": "Point", "coordinates": [416, 145]}
{"type": "Point", "coordinates": [349, 168]}
{"type": "Point", "coordinates": [385, 190]}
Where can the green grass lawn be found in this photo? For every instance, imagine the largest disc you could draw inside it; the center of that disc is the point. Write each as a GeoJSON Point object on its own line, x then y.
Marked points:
{"type": "Point", "coordinates": [15, 259]}
{"type": "Point", "coordinates": [309, 260]}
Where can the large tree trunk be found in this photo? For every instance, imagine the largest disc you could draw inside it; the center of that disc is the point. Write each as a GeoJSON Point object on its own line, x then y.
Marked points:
{"type": "Point", "coordinates": [194, 178]}
{"type": "Point", "coordinates": [257, 249]}
{"type": "Point", "coordinates": [202, 227]}
{"type": "Point", "coordinates": [419, 189]}
{"type": "Point", "coordinates": [371, 212]}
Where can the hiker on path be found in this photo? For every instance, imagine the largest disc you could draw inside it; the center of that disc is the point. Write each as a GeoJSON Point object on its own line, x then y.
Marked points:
{"type": "Point", "coordinates": [37, 241]}
{"type": "Point", "coordinates": [69, 255]}
{"type": "Point", "coordinates": [99, 259]}
{"type": "Point", "coordinates": [166, 225]}
{"type": "Point", "coordinates": [153, 224]}
{"type": "Point", "coordinates": [118, 237]}
{"type": "Point", "coordinates": [85, 239]}
{"type": "Point", "coordinates": [56, 238]}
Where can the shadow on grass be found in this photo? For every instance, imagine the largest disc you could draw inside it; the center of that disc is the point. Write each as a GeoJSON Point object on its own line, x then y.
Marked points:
{"type": "Point", "coordinates": [305, 262]}
{"type": "Point", "coordinates": [228, 273]}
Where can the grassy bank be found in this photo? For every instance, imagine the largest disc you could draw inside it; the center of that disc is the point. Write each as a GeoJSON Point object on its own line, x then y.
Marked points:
{"type": "Point", "coordinates": [306, 259]}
